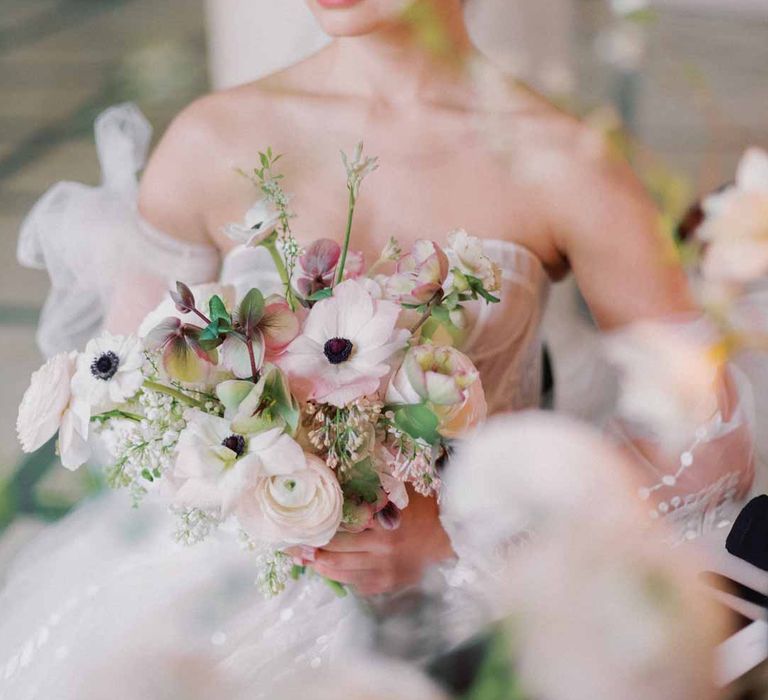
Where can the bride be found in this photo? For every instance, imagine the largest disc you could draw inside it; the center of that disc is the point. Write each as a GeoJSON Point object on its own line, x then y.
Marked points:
{"type": "Point", "coordinates": [543, 191]}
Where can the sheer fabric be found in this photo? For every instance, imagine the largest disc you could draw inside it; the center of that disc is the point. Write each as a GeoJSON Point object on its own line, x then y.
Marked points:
{"type": "Point", "coordinates": [92, 241]}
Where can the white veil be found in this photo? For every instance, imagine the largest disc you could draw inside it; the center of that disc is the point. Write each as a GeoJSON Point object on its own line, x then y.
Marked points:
{"type": "Point", "coordinates": [252, 38]}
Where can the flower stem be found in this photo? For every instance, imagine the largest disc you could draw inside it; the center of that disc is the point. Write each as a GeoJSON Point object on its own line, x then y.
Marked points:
{"type": "Point", "coordinates": [277, 259]}
{"type": "Point", "coordinates": [254, 371]}
{"type": "Point", "coordinates": [117, 414]}
{"type": "Point", "coordinates": [338, 588]}
{"type": "Point", "coordinates": [205, 319]}
{"type": "Point", "coordinates": [175, 393]}
{"type": "Point", "coordinates": [437, 298]}
{"type": "Point", "coordinates": [347, 235]}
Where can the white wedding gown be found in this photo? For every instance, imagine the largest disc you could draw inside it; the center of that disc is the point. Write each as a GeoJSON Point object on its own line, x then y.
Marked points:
{"type": "Point", "coordinates": [105, 593]}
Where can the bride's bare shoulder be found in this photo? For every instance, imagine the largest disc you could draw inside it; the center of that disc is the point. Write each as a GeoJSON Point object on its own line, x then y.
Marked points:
{"type": "Point", "coordinates": [199, 150]}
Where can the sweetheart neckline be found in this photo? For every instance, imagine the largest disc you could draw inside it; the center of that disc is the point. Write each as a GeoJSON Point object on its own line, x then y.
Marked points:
{"type": "Point", "coordinates": [513, 245]}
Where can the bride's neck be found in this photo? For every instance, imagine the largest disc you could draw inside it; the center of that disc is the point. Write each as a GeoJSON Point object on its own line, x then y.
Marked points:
{"type": "Point", "coordinates": [399, 65]}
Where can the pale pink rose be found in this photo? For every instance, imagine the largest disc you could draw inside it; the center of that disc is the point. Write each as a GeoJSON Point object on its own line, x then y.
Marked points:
{"type": "Point", "coordinates": [285, 507]}
{"type": "Point", "coordinates": [419, 275]}
{"type": "Point", "coordinates": [448, 381]}
{"type": "Point", "coordinates": [345, 347]}
{"type": "Point", "coordinates": [735, 227]}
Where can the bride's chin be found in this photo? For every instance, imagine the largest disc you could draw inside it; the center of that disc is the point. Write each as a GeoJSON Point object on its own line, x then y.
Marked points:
{"type": "Point", "coordinates": [348, 18]}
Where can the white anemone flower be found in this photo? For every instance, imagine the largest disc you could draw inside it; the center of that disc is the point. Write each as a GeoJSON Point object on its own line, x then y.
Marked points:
{"type": "Point", "coordinates": [214, 464]}
{"type": "Point", "coordinates": [260, 221]}
{"type": "Point", "coordinates": [346, 345]}
{"type": "Point", "coordinates": [109, 372]}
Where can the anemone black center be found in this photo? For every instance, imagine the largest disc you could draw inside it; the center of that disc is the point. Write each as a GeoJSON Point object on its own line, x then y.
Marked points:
{"type": "Point", "coordinates": [236, 443]}
{"type": "Point", "coordinates": [105, 365]}
{"type": "Point", "coordinates": [337, 350]}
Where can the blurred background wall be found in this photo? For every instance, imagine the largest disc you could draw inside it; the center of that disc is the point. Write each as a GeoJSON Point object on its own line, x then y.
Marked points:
{"type": "Point", "coordinates": [690, 77]}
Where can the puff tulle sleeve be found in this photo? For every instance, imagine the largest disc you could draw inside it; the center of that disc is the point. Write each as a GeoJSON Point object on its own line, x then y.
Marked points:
{"type": "Point", "coordinates": [92, 240]}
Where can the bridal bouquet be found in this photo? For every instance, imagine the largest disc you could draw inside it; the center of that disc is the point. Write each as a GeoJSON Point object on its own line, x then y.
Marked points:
{"type": "Point", "coordinates": [290, 416]}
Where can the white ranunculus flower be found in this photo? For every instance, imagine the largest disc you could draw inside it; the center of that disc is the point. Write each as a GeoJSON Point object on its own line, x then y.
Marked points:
{"type": "Point", "coordinates": [260, 221]}
{"type": "Point", "coordinates": [45, 402]}
{"type": "Point", "coordinates": [214, 465]}
{"type": "Point", "coordinates": [466, 253]}
{"type": "Point", "coordinates": [669, 379]}
{"type": "Point", "coordinates": [293, 507]}
{"type": "Point", "coordinates": [48, 406]}
{"type": "Point", "coordinates": [109, 372]}
{"type": "Point", "coordinates": [736, 224]}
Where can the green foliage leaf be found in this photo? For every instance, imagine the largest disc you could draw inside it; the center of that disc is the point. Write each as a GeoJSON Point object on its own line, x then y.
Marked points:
{"type": "Point", "coordinates": [476, 285]}
{"type": "Point", "coordinates": [321, 294]}
{"type": "Point", "coordinates": [219, 311]}
{"type": "Point", "coordinates": [363, 482]}
{"type": "Point", "coordinates": [418, 421]}
{"type": "Point", "coordinates": [251, 310]}
{"type": "Point", "coordinates": [210, 334]}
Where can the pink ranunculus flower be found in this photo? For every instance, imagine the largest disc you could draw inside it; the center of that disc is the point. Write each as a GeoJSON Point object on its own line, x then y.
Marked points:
{"type": "Point", "coordinates": [448, 381]}
{"type": "Point", "coordinates": [346, 345]}
{"type": "Point", "coordinates": [419, 275]}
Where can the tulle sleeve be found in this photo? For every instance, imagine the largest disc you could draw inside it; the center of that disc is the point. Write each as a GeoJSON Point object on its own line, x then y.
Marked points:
{"type": "Point", "coordinates": [91, 240]}
{"type": "Point", "coordinates": [696, 484]}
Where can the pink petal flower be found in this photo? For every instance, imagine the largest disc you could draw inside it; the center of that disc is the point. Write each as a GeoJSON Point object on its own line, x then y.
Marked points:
{"type": "Point", "coordinates": [279, 326]}
{"type": "Point", "coordinates": [345, 348]}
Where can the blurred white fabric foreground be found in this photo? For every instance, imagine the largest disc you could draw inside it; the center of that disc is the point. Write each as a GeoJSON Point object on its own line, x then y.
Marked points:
{"type": "Point", "coordinates": [249, 39]}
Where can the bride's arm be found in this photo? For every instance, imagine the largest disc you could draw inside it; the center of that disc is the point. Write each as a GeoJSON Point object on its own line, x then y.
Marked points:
{"type": "Point", "coordinates": [610, 232]}
{"type": "Point", "coordinates": [171, 209]}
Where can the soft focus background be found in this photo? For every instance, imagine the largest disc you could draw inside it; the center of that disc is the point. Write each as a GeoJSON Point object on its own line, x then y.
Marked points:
{"type": "Point", "coordinates": [688, 77]}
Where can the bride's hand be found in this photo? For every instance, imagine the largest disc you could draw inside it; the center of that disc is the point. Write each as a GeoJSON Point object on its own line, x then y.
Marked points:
{"type": "Point", "coordinates": [378, 560]}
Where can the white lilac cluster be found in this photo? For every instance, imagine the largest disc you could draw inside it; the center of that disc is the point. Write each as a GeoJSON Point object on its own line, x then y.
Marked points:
{"type": "Point", "coordinates": [193, 525]}
{"type": "Point", "coordinates": [414, 461]}
{"type": "Point", "coordinates": [275, 569]}
{"type": "Point", "coordinates": [145, 449]}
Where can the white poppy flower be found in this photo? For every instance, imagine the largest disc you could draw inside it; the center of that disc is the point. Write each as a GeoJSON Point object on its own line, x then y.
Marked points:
{"type": "Point", "coordinates": [260, 221]}
{"type": "Point", "coordinates": [736, 224]}
{"type": "Point", "coordinates": [109, 372]}
{"type": "Point", "coordinates": [214, 465]}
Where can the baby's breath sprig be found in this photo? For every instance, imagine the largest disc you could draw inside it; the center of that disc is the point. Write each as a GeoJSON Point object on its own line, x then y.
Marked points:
{"type": "Point", "coordinates": [268, 181]}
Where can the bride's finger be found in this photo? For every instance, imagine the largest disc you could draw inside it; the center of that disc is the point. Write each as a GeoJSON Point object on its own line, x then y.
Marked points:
{"type": "Point", "coordinates": [352, 542]}
{"type": "Point", "coordinates": [347, 561]}
{"type": "Point", "coordinates": [349, 577]}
